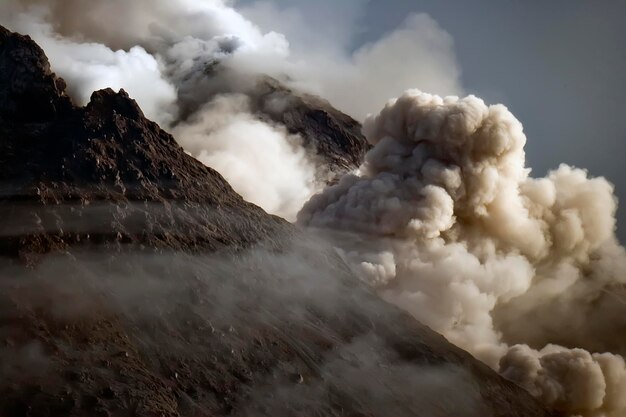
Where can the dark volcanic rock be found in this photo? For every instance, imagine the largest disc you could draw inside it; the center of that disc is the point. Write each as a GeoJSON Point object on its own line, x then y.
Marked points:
{"type": "Point", "coordinates": [334, 136]}
{"type": "Point", "coordinates": [129, 308]}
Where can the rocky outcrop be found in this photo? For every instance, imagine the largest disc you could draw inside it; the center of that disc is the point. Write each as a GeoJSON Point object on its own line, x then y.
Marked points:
{"type": "Point", "coordinates": [135, 282]}
{"type": "Point", "coordinates": [333, 136]}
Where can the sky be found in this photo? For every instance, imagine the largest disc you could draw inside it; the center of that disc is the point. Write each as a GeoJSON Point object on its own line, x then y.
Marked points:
{"type": "Point", "coordinates": [559, 66]}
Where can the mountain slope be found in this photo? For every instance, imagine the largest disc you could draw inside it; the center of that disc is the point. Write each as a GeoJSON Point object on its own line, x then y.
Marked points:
{"type": "Point", "coordinates": [135, 281]}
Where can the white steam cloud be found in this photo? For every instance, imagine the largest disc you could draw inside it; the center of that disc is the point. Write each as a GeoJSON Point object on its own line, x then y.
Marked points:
{"type": "Point", "coordinates": [228, 138]}
{"type": "Point", "coordinates": [176, 57]}
{"type": "Point", "coordinates": [444, 220]}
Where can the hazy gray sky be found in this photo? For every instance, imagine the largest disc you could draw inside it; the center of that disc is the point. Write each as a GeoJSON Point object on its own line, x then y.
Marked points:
{"type": "Point", "coordinates": [559, 65]}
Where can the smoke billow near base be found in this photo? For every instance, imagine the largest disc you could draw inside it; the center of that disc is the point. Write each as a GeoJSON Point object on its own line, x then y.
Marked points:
{"type": "Point", "coordinates": [445, 221]}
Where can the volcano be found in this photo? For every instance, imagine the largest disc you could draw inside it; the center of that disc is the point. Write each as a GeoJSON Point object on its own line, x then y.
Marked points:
{"type": "Point", "coordinates": [136, 282]}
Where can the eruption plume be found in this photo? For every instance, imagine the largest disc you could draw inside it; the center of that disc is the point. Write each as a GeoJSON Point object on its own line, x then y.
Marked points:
{"type": "Point", "coordinates": [445, 221]}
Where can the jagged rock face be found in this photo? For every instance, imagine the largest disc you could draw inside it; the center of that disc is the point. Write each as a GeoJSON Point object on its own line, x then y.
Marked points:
{"type": "Point", "coordinates": [334, 136]}
{"type": "Point", "coordinates": [125, 179]}
{"type": "Point", "coordinates": [128, 309]}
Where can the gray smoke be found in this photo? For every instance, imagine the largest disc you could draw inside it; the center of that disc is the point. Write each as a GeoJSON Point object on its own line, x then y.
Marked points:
{"type": "Point", "coordinates": [525, 273]}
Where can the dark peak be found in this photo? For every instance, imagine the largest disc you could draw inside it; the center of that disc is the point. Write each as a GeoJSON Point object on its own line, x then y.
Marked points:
{"type": "Point", "coordinates": [107, 102]}
{"type": "Point", "coordinates": [29, 91]}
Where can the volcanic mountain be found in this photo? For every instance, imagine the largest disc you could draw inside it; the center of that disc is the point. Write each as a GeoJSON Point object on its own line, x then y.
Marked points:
{"type": "Point", "coordinates": [135, 282]}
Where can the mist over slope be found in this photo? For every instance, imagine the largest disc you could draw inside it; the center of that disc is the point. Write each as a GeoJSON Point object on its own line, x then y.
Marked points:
{"type": "Point", "coordinates": [135, 281]}
{"type": "Point", "coordinates": [525, 273]}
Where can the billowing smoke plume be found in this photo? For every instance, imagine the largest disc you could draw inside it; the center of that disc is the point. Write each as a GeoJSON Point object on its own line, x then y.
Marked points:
{"type": "Point", "coordinates": [445, 221]}
{"type": "Point", "coordinates": [177, 57]}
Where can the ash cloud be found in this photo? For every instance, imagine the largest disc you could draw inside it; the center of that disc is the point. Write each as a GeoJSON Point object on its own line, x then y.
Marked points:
{"type": "Point", "coordinates": [445, 221]}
